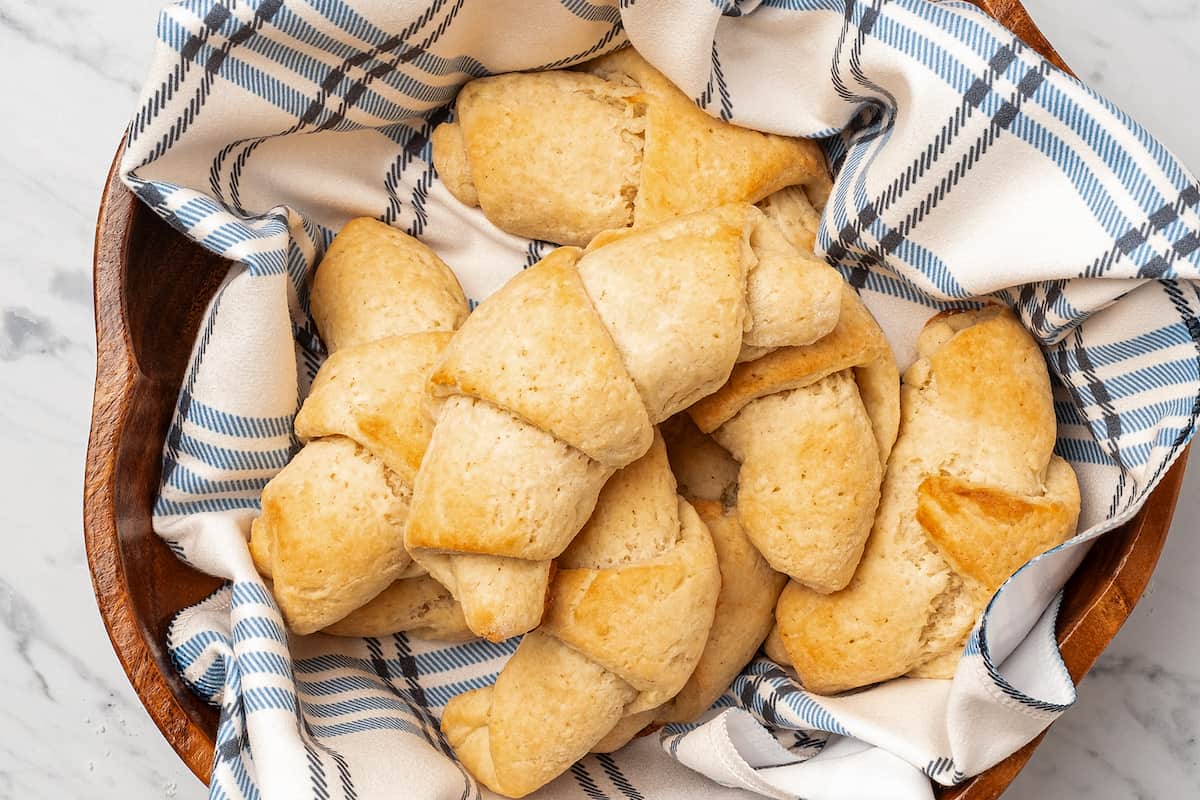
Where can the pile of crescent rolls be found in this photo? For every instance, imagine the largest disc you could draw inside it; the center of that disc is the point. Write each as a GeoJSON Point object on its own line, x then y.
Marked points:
{"type": "Point", "coordinates": [676, 437]}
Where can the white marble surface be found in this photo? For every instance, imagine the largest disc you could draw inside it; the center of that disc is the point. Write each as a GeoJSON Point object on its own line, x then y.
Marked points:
{"type": "Point", "coordinates": [70, 726]}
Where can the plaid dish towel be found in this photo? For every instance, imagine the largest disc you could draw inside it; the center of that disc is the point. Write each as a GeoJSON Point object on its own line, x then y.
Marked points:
{"type": "Point", "coordinates": [966, 166]}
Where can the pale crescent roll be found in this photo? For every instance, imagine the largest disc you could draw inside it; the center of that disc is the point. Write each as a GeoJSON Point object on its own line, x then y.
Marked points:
{"type": "Point", "coordinates": [628, 614]}
{"type": "Point", "coordinates": [564, 155]}
{"type": "Point", "coordinates": [812, 427]}
{"type": "Point", "coordinates": [331, 534]}
{"type": "Point", "coordinates": [745, 612]}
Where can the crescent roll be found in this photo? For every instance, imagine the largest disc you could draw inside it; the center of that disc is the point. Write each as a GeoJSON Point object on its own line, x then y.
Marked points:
{"type": "Point", "coordinates": [745, 611]}
{"type": "Point", "coordinates": [973, 491]}
{"type": "Point", "coordinates": [331, 534]}
{"type": "Point", "coordinates": [628, 613]}
{"type": "Point", "coordinates": [812, 428]}
{"type": "Point", "coordinates": [557, 380]}
{"type": "Point", "coordinates": [564, 155]}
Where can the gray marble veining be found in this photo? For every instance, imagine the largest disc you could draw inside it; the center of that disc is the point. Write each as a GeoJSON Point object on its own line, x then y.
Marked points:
{"type": "Point", "coordinates": [70, 725]}
{"type": "Point", "coordinates": [24, 332]}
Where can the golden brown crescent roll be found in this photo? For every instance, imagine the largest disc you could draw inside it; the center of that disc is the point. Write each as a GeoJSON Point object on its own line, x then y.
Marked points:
{"type": "Point", "coordinates": [331, 533]}
{"type": "Point", "coordinates": [628, 613]}
{"type": "Point", "coordinates": [557, 380]}
{"type": "Point", "coordinates": [812, 427]}
{"type": "Point", "coordinates": [973, 491]}
{"type": "Point", "coordinates": [745, 612]}
{"type": "Point", "coordinates": [564, 155]}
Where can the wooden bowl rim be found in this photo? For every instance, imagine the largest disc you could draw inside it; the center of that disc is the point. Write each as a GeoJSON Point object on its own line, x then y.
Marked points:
{"type": "Point", "coordinates": [117, 372]}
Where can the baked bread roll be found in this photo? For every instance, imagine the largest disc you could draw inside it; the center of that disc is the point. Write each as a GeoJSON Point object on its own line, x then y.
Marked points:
{"type": "Point", "coordinates": [812, 428]}
{"type": "Point", "coordinates": [557, 380]}
{"type": "Point", "coordinates": [628, 613]}
{"type": "Point", "coordinates": [707, 478]}
{"type": "Point", "coordinates": [973, 491]}
{"type": "Point", "coordinates": [745, 610]}
{"type": "Point", "coordinates": [331, 534]}
{"type": "Point", "coordinates": [564, 155]}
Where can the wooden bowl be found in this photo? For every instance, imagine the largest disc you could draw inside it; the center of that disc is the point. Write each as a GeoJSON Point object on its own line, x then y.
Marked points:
{"type": "Point", "coordinates": [143, 267]}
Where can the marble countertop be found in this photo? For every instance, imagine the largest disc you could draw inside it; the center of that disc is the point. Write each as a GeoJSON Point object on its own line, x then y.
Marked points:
{"type": "Point", "coordinates": [71, 726]}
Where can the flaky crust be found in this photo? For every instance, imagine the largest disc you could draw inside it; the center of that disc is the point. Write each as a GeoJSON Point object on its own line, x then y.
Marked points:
{"type": "Point", "coordinates": [745, 611]}
{"type": "Point", "coordinates": [559, 349]}
{"type": "Point", "coordinates": [673, 298]}
{"type": "Point", "coordinates": [628, 616]}
{"type": "Point", "coordinates": [973, 490]}
{"type": "Point", "coordinates": [550, 155]}
{"type": "Point", "coordinates": [563, 156]}
{"type": "Point", "coordinates": [793, 210]}
{"type": "Point", "coordinates": [796, 297]}
{"type": "Point", "coordinates": [692, 161]}
{"type": "Point", "coordinates": [332, 527]}
{"type": "Point", "coordinates": [744, 615]}
{"type": "Point", "coordinates": [855, 342]}
{"type": "Point", "coordinates": [810, 476]}
{"type": "Point", "coordinates": [812, 427]}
